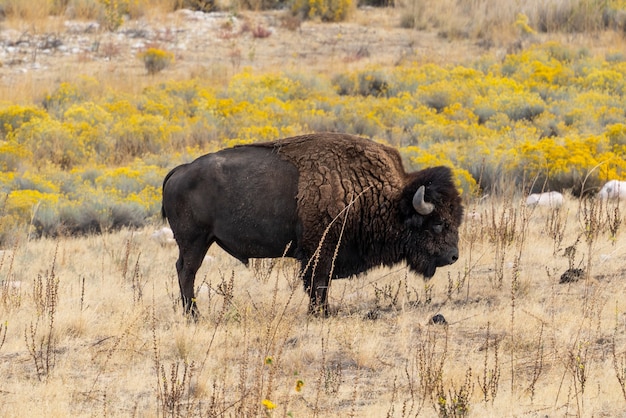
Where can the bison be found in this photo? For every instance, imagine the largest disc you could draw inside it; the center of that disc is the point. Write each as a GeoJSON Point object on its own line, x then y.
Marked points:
{"type": "Point", "coordinates": [337, 203]}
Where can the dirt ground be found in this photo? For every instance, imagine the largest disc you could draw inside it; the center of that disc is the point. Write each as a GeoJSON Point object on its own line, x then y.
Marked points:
{"type": "Point", "coordinates": [36, 54]}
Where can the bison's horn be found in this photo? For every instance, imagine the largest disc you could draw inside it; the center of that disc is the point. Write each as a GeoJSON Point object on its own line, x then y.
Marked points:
{"type": "Point", "coordinates": [423, 208]}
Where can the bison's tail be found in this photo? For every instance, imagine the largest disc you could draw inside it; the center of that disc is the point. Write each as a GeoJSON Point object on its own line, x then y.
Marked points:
{"type": "Point", "coordinates": [167, 177]}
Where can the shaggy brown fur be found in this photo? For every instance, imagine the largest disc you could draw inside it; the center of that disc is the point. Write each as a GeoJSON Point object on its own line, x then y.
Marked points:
{"type": "Point", "coordinates": [337, 170]}
{"type": "Point", "coordinates": [354, 205]}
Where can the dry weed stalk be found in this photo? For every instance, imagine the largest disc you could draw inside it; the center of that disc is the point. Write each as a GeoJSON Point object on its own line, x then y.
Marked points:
{"type": "Point", "coordinates": [42, 348]}
{"type": "Point", "coordinates": [594, 223]}
{"type": "Point", "coordinates": [428, 293]}
{"type": "Point", "coordinates": [613, 220]}
{"type": "Point", "coordinates": [387, 294]}
{"type": "Point", "coordinates": [409, 404]}
{"type": "Point", "coordinates": [117, 340]}
{"type": "Point", "coordinates": [596, 218]}
{"type": "Point", "coordinates": [3, 333]}
{"type": "Point", "coordinates": [579, 357]}
{"type": "Point", "coordinates": [619, 360]}
{"type": "Point", "coordinates": [10, 292]}
{"type": "Point", "coordinates": [262, 268]}
{"type": "Point", "coordinates": [82, 293]}
{"type": "Point", "coordinates": [173, 291]}
{"type": "Point", "coordinates": [474, 232]}
{"type": "Point", "coordinates": [537, 365]}
{"type": "Point", "coordinates": [218, 404]}
{"type": "Point", "coordinates": [489, 382]}
{"type": "Point", "coordinates": [321, 373]}
{"type": "Point", "coordinates": [175, 392]}
{"type": "Point", "coordinates": [458, 284]}
{"type": "Point", "coordinates": [273, 344]}
{"type": "Point", "coordinates": [394, 394]}
{"type": "Point", "coordinates": [456, 403]}
{"type": "Point", "coordinates": [556, 223]}
{"type": "Point", "coordinates": [125, 261]}
{"type": "Point", "coordinates": [578, 364]}
{"type": "Point", "coordinates": [226, 290]}
{"type": "Point", "coordinates": [136, 284]}
{"type": "Point", "coordinates": [429, 362]}
{"type": "Point", "coordinates": [515, 285]}
{"type": "Point", "coordinates": [355, 392]}
{"type": "Point", "coordinates": [502, 233]}
{"type": "Point", "coordinates": [245, 407]}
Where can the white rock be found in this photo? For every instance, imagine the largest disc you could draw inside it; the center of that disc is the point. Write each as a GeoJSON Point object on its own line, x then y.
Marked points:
{"type": "Point", "coordinates": [164, 236]}
{"type": "Point", "coordinates": [613, 189]}
{"type": "Point", "coordinates": [547, 199]}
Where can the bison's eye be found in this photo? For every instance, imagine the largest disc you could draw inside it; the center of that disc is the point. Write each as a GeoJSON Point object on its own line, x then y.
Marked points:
{"type": "Point", "coordinates": [438, 228]}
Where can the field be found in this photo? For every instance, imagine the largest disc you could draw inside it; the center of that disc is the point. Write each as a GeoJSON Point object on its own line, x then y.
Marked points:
{"type": "Point", "coordinates": [90, 315]}
{"type": "Point", "coordinates": [93, 326]}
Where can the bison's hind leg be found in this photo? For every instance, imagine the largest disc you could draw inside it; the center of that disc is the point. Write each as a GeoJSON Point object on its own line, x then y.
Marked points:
{"type": "Point", "coordinates": [191, 253]}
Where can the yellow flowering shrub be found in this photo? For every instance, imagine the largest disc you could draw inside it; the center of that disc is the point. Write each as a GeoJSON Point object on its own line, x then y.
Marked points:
{"type": "Point", "coordinates": [616, 134]}
{"type": "Point", "coordinates": [605, 80]}
{"type": "Point", "coordinates": [548, 114]}
{"type": "Point", "coordinates": [6, 180]}
{"type": "Point", "coordinates": [50, 142]}
{"type": "Point", "coordinates": [438, 155]}
{"type": "Point", "coordinates": [250, 87]}
{"type": "Point", "coordinates": [156, 60]}
{"type": "Point", "coordinates": [326, 10]}
{"type": "Point", "coordinates": [12, 154]}
{"type": "Point", "coordinates": [120, 107]}
{"type": "Point", "coordinates": [114, 10]}
{"type": "Point", "coordinates": [13, 116]}
{"type": "Point", "coordinates": [140, 134]}
{"type": "Point", "coordinates": [24, 203]}
{"type": "Point", "coordinates": [62, 98]}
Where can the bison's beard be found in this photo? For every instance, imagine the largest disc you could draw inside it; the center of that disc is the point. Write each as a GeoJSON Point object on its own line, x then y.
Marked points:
{"type": "Point", "coordinates": [430, 270]}
{"type": "Point", "coordinates": [429, 267]}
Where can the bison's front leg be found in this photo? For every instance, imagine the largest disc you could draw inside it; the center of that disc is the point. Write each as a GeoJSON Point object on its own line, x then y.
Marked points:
{"type": "Point", "coordinates": [317, 289]}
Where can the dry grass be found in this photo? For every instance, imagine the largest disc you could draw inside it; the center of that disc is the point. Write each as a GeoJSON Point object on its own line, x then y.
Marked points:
{"type": "Point", "coordinates": [94, 327]}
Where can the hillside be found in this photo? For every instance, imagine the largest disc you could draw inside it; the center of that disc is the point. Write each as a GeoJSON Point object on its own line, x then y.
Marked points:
{"type": "Point", "coordinates": [38, 55]}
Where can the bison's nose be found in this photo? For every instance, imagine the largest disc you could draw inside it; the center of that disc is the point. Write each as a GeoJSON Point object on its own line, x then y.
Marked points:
{"type": "Point", "coordinates": [448, 257]}
{"type": "Point", "coordinates": [454, 255]}
{"type": "Point", "coordinates": [451, 256]}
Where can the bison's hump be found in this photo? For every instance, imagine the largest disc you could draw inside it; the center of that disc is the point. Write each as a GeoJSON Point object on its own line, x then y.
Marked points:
{"type": "Point", "coordinates": [335, 169]}
{"type": "Point", "coordinates": [341, 174]}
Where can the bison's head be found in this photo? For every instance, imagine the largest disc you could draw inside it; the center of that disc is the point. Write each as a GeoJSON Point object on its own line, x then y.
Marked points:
{"type": "Point", "coordinates": [431, 212]}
